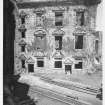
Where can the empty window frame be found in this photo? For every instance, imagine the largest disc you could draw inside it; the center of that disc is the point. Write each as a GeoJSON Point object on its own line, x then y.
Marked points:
{"type": "Point", "coordinates": [39, 19]}
{"type": "Point", "coordinates": [80, 18]}
{"type": "Point", "coordinates": [23, 63]}
{"type": "Point", "coordinates": [23, 48]}
{"type": "Point", "coordinates": [58, 18]}
{"type": "Point", "coordinates": [23, 34]}
{"type": "Point", "coordinates": [40, 63]}
{"type": "Point", "coordinates": [96, 45]}
{"type": "Point", "coordinates": [58, 64]}
{"type": "Point", "coordinates": [79, 65]}
{"type": "Point", "coordinates": [58, 42]}
{"type": "Point", "coordinates": [22, 20]}
{"type": "Point", "coordinates": [79, 42]}
{"type": "Point", "coordinates": [58, 23]}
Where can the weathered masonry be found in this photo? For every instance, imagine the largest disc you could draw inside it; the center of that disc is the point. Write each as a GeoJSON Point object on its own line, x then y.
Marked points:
{"type": "Point", "coordinates": [56, 35]}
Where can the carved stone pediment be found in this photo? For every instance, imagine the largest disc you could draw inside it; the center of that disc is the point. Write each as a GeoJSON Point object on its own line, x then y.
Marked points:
{"type": "Point", "coordinates": [22, 28]}
{"type": "Point", "coordinates": [30, 60]}
{"type": "Point", "coordinates": [39, 11]}
{"type": "Point", "coordinates": [22, 42]}
{"type": "Point", "coordinates": [22, 57]}
{"type": "Point", "coordinates": [39, 54]}
{"type": "Point", "coordinates": [58, 32]}
{"type": "Point", "coordinates": [22, 14]}
{"type": "Point", "coordinates": [68, 61]}
{"type": "Point", "coordinates": [58, 54]}
{"type": "Point", "coordinates": [79, 31]}
{"type": "Point", "coordinates": [40, 33]}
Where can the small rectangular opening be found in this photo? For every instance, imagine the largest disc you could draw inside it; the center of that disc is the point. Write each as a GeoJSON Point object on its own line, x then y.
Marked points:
{"type": "Point", "coordinates": [58, 14]}
{"type": "Point", "coordinates": [23, 63]}
{"type": "Point", "coordinates": [58, 23]}
{"type": "Point", "coordinates": [58, 42]}
{"type": "Point", "coordinates": [40, 63]}
{"type": "Point", "coordinates": [22, 20]}
{"type": "Point", "coordinates": [58, 64]}
{"type": "Point", "coordinates": [23, 34]}
{"type": "Point", "coordinates": [96, 45]}
{"type": "Point", "coordinates": [79, 65]}
{"type": "Point", "coordinates": [31, 67]}
{"type": "Point", "coordinates": [23, 48]}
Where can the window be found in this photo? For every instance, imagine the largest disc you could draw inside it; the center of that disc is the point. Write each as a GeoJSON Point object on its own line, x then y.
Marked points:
{"type": "Point", "coordinates": [23, 63]}
{"type": "Point", "coordinates": [39, 19]}
{"type": "Point", "coordinates": [96, 45]}
{"type": "Point", "coordinates": [80, 18]}
{"type": "Point", "coordinates": [58, 18]}
{"type": "Point", "coordinates": [23, 48]}
{"type": "Point", "coordinates": [23, 34]}
{"type": "Point", "coordinates": [79, 42]}
{"type": "Point", "coordinates": [40, 63]}
{"type": "Point", "coordinates": [58, 23]}
{"type": "Point", "coordinates": [79, 65]}
{"type": "Point", "coordinates": [58, 64]}
{"type": "Point", "coordinates": [40, 40]}
{"type": "Point", "coordinates": [58, 42]}
{"type": "Point", "coordinates": [22, 20]}
{"type": "Point", "coordinates": [58, 14]}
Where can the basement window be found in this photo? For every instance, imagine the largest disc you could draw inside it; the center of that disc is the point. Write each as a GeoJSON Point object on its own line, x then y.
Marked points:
{"type": "Point", "coordinates": [58, 64]}
{"type": "Point", "coordinates": [58, 42]}
{"type": "Point", "coordinates": [79, 65]}
{"type": "Point", "coordinates": [79, 42]}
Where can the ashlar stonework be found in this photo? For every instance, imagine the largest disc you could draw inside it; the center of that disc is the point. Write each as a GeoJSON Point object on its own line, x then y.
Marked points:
{"type": "Point", "coordinates": [56, 37]}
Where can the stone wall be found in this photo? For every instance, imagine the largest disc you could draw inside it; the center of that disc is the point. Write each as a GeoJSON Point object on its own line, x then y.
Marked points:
{"type": "Point", "coordinates": [69, 28]}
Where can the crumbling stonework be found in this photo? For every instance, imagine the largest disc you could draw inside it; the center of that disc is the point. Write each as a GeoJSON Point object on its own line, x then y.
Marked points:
{"type": "Point", "coordinates": [48, 38]}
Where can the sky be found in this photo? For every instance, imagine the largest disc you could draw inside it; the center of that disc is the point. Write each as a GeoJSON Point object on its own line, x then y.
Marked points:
{"type": "Point", "coordinates": [99, 17]}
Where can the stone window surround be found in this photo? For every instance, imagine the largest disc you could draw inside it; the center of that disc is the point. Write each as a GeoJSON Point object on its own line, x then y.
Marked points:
{"type": "Point", "coordinates": [57, 60]}
{"type": "Point", "coordinates": [79, 34]}
{"type": "Point", "coordinates": [59, 18]}
{"type": "Point", "coordinates": [77, 62]}
{"type": "Point", "coordinates": [22, 15]}
{"type": "Point", "coordinates": [40, 59]}
{"type": "Point", "coordinates": [81, 10]}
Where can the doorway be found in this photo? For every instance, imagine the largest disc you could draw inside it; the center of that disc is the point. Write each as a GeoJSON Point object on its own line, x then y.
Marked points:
{"type": "Point", "coordinates": [68, 69]}
{"type": "Point", "coordinates": [31, 67]}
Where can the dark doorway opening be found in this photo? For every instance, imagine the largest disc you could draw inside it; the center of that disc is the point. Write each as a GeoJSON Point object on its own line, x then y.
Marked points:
{"type": "Point", "coordinates": [68, 69]}
{"type": "Point", "coordinates": [40, 63]}
{"type": "Point", "coordinates": [31, 67]}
